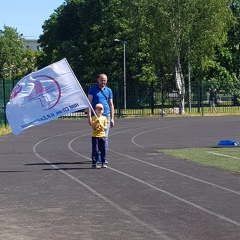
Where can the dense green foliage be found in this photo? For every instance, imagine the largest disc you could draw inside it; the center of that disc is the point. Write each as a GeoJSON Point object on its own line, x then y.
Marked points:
{"type": "Point", "coordinates": [15, 62]}
{"type": "Point", "coordinates": [158, 33]}
{"type": "Point", "coordinates": [202, 33]}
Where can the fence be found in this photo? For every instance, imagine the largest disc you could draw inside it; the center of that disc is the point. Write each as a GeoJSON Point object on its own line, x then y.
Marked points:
{"type": "Point", "coordinates": [5, 91]}
{"type": "Point", "coordinates": [146, 99]}
{"type": "Point", "coordinates": [153, 99]}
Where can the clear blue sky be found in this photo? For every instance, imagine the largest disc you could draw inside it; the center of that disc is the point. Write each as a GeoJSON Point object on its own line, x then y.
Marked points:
{"type": "Point", "coordinates": [27, 16]}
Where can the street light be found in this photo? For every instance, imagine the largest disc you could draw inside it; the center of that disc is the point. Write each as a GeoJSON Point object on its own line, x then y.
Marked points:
{"type": "Point", "coordinates": [124, 73]}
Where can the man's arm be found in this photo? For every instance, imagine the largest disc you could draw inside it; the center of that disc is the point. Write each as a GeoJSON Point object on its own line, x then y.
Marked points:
{"type": "Point", "coordinates": [111, 105]}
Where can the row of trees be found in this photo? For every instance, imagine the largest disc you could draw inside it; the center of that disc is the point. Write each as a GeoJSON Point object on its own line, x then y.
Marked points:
{"type": "Point", "coordinates": [167, 40]}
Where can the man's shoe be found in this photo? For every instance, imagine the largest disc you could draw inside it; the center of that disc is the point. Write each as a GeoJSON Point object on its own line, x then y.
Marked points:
{"type": "Point", "coordinates": [96, 166]}
{"type": "Point", "coordinates": [104, 165]}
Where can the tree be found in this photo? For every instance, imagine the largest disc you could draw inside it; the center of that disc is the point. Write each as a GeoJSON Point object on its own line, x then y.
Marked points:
{"type": "Point", "coordinates": [11, 52]}
{"type": "Point", "coordinates": [222, 71]}
{"type": "Point", "coordinates": [73, 32]}
{"type": "Point", "coordinates": [162, 37]}
{"type": "Point", "coordinates": [233, 43]}
{"type": "Point", "coordinates": [15, 62]}
{"type": "Point", "coordinates": [84, 33]}
{"type": "Point", "coordinates": [182, 31]}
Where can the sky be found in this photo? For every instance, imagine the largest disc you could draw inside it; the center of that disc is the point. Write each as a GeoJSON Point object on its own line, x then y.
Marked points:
{"type": "Point", "coordinates": [27, 16]}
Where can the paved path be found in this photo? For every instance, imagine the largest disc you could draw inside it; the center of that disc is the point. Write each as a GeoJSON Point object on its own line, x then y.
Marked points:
{"type": "Point", "coordinates": [48, 190]}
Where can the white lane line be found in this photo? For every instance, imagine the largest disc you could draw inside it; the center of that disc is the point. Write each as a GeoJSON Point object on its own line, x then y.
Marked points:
{"type": "Point", "coordinates": [125, 212]}
{"type": "Point", "coordinates": [164, 191]}
{"type": "Point", "coordinates": [223, 155]}
{"type": "Point", "coordinates": [178, 173]}
{"type": "Point", "coordinates": [168, 193]}
{"type": "Point", "coordinates": [179, 198]}
{"type": "Point", "coordinates": [156, 166]}
{"type": "Point", "coordinates": [167, 169]}
{"type": "Point", "coordinates": [170, 170]}
{"type": "Point", "coordinates": [133, 138]}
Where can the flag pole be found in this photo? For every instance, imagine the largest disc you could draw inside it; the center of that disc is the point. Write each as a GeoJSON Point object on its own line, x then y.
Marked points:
{"type": "Point", "coordinates": [81, 88]}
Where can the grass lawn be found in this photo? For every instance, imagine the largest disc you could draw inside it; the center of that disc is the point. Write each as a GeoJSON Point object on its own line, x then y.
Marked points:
{"type": "Point", "coordinates": [227, 158]}
{"type": "Point", "coordinates": [5, 130]}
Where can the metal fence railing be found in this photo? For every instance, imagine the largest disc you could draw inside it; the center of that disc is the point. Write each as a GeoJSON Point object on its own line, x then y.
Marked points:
{"type": "Point", "coordinates": [5, 91]}
{"type": "Point", "coordinates": [142, 99]}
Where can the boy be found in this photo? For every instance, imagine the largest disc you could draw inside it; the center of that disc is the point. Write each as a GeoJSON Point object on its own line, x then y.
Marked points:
{"type": "Point", "coordinates": [99, 126]}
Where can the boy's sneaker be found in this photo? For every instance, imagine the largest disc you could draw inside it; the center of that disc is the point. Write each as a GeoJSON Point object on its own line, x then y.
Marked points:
{"type": "Point", "coordinates": [96, 166]}
{"type": "Point", "coordinates": [104, 165]}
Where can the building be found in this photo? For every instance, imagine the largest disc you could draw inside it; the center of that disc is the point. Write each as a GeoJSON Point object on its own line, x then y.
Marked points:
{"type": "Point", "coordinates": [30, 43]}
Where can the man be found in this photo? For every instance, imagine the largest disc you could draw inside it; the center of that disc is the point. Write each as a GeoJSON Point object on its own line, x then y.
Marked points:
{"type": "Point", "coordinates": [100, 93]}
{"type": "Point", "coordinates": [212, 100]}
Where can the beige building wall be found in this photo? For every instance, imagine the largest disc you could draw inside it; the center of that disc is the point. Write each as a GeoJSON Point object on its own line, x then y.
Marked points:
{"type": "Point", "coordinates": [30, 43]}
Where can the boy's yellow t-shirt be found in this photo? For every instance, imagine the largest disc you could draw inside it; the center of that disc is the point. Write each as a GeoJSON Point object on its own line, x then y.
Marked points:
{"type": "Point", "coordinates": [99, 132]}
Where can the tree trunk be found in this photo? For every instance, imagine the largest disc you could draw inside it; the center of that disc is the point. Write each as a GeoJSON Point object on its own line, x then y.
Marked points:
{"type": "Point", "coordinates": [180, 85]}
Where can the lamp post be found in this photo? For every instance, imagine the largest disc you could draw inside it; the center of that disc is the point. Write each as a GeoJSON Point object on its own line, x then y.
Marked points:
{"type": "Point", "coordinates": [189, 79]}
{"type": "Point", "coordinates": [124, 73]}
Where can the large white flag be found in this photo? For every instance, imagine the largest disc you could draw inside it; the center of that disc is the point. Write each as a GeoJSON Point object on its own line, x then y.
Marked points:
{"type": "Point", "coordinates": [43, 96]}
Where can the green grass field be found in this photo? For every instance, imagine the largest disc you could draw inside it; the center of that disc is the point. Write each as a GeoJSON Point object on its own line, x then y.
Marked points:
{"type": "Point", "coordinates": [5, 130]}
{"type": "Point", "coordinates": [227, 158]}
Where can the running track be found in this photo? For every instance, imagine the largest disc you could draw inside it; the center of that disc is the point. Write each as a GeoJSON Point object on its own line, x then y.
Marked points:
{"type": "Point", "coordinates": [49, 191]}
